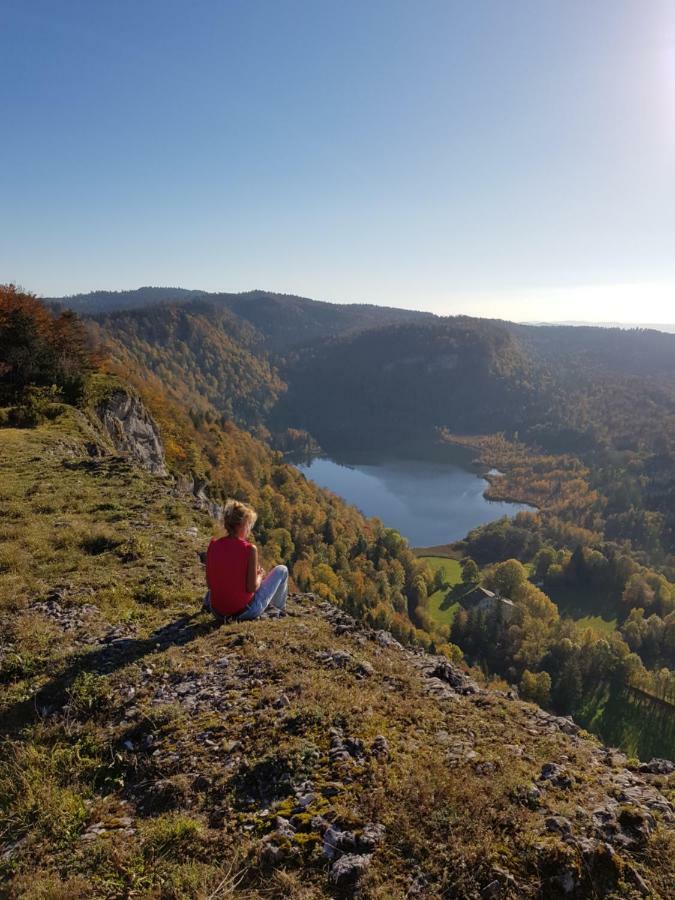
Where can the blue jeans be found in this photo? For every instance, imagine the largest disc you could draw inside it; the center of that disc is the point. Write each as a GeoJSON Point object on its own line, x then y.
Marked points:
{"type": "Point", "coordinates": [272, 592]}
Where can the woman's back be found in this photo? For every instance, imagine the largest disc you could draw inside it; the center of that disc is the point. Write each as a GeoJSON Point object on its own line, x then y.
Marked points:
{"type": "Point", "coordinates": [227, 561]}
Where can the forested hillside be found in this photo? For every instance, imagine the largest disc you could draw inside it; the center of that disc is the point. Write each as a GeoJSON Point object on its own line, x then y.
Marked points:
{"type": "Point", "coordinates": [206, 357]}
{"type": "Point", "coordinates": [623, 351]}
{"type": "Point", "coordinates": [287, 322]}
{"type": "Point", "coordinates": [109, 301]}
{"type": "Point", "coordinates": [586, 438]}
{"type": "Point", "coordinates": [580, 400]}
{"type": "Point", "coordinates": [399, 383]}
{"type": "Point", "coordinates": [359, 376]}
{"type": "Point", "coordinates": [281, 320]}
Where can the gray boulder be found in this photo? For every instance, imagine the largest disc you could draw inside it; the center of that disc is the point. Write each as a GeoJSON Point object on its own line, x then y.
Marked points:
{"type": "Point", "coordinates": [348, 870]}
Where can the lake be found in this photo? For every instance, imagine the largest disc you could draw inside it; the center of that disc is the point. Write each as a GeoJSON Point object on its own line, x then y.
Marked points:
{"type": "Point", "coordinates": [430, 501]}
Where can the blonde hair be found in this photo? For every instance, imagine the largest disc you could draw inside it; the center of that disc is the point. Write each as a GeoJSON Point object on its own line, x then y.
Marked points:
{"type": "Point", "coordinates": [235, 513]}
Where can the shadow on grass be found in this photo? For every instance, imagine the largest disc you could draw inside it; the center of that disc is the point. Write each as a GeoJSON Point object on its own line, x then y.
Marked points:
{"type": "Point", "coordinates": [577, 602]}
{"type": "Point", "coordinates": [626, 717]}
{"type": "Point", "coordinates": [97, 464]}
{"type": "Point", "coordinates": [455, 595]}
{"type": "Point", "coordinates": [104, 659]}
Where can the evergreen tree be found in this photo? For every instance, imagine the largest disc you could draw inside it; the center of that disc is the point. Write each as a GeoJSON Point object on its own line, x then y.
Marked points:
{"type": "Point", "coordinates": [470, 571]}
{"type": "Point", "coordinates": [567, 690]}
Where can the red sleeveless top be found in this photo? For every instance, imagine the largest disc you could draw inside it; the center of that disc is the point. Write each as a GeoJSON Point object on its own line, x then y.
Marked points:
{"type": "Point", "coordinates": [226, 569]}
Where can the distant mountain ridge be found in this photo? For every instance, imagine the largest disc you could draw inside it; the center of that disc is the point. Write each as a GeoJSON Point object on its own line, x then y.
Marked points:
{"type": "Point", "coordinates": [282, 320]}
{"type": "Point", "coordinates": [109, 301]}
{"type": "Point", "coordinates": [669, 328]}
{"type": "Point", "coordinates": [613, 349]}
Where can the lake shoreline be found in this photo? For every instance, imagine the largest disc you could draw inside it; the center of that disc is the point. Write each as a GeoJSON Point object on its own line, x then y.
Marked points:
{"type": "Point", "coordinates": [487, 466]}
{"type": "Point", "coordinates": [431, 493]}
{"type": "Point", "coordinates": [447, 551]}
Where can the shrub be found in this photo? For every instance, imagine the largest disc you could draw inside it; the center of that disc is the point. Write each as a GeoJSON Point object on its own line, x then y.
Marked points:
{"type": "Point", "coordinates": [536, 686]}
{"type": "Point", "coordinates": [39, 348]}
{"type": "Point", "coordinates": [37, 404]}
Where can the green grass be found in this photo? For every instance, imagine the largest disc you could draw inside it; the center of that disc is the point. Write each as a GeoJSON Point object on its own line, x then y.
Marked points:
{"type": "Point", "coordinates": [597, 624]}
{"type": "Point", "coordinates": [450, 567]}
{"type": "Point", "coordinates": [441, 609]}
{"type": "Point", "coordinates": [61, 525]}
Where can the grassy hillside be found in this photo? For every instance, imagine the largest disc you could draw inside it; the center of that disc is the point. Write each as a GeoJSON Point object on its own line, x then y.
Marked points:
{"type": "Point", "coordinates": [149, 753]}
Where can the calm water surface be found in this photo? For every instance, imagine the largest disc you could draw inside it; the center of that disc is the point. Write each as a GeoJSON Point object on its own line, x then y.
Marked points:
{"type": "Point", "coordinates": [429, 501]}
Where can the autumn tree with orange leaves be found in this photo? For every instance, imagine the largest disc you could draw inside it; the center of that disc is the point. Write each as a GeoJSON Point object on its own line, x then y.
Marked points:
{"type": "Point", "coordinates": [40, 348]}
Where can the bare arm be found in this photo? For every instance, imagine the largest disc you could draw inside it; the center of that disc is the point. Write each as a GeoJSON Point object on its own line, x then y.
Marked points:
{"type": "Point", "coordinates": [254, 573]}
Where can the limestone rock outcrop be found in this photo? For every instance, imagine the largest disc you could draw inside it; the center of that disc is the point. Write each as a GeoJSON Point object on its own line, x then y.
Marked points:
{"type": "Point", "coordinates": [132, 430]}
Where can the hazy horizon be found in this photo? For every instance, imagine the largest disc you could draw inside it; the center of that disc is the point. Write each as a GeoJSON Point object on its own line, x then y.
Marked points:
{"type": "Point", "coordinates": [511, 161]}
{"type": "Point", "coordinates": [665, 326]}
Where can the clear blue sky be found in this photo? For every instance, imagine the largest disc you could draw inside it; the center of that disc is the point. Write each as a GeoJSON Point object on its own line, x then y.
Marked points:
{"type": "Point", "coordinates": [495, 157]}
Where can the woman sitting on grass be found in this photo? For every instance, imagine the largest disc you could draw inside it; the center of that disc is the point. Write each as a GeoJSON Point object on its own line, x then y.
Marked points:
{"type": "Point", "coordinates": [238, 586]}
